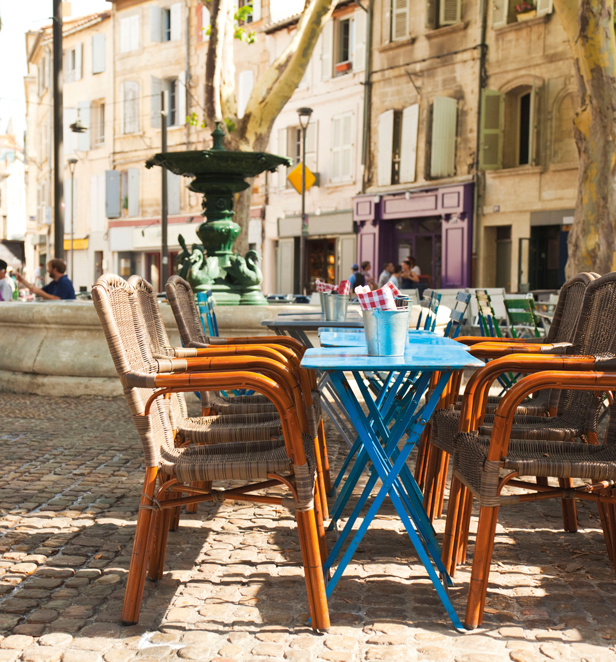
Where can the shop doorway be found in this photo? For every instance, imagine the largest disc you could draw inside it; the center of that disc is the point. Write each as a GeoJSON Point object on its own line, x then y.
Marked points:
{"type": "Point", "coordinates": [547, 257]}
{"type": "Point", "coordinates": [321, 260]}
{"type": "Point", "coordinates": [421, 238]}
{"type": "Point", "coordinates": [152, 270]}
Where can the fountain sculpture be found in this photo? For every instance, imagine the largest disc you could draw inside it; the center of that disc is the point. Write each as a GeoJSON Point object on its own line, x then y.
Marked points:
{"type": "Point", "coordinates": [218, 175]}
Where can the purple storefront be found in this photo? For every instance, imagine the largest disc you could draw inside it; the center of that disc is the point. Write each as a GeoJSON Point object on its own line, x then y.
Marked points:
{"type": "Point", "coordinates": [433, 224]}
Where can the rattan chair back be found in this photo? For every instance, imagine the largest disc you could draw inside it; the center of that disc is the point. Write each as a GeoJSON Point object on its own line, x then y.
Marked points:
{"type": "Point", "coordinates": [182, 301]}
{"type": "Point", "coordinates": [568, 308]}
{"type": "Point", "coordinates": [116, 304]}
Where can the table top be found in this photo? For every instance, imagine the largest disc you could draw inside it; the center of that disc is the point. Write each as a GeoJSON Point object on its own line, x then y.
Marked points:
{"type": "Point", "coordinates": [357, 338]}
{"type": "Point", "coordinates": [313, 322]}
{"type": "Point", "coordinates": [416, 357]}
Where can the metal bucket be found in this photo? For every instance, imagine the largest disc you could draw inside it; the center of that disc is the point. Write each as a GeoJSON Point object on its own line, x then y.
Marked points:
{"type": "Point", "coordinates": [335, 307]}
{"type": "Point", "coordinates": [386, 331]}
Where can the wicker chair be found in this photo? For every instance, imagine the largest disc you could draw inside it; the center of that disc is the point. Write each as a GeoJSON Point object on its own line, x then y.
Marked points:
{"type": "Point", "coordinates": [182, 301]}
{"type": "Point", "coordinates": [486, 465]}
{"type": "Point", "coordinates": [531, 419]}
{"type": "Point", "coordinates": [170, 470]}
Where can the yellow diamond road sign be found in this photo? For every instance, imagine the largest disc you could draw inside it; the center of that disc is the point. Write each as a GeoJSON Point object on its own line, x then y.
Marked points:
{"type": "Point", "coordinates": [295, 177]}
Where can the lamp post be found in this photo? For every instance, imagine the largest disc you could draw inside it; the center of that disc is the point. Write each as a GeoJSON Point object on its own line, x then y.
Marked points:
{"type": "Point", "coordinates": [304, 120]}
{"type": "Point", "coordinates": [71, 166]}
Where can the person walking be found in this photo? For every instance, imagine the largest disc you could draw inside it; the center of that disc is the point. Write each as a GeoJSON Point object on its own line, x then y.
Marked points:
{"type": "Point", "coordinates": [365, 270]}
{"type": "Point", "coordinates": [356, 279]}
{"type": "Point", "coordinates": [60, 286]}
{"type": "Point", "coordinates": [6, 284]}
{"type": "Point", "coordinates": [385, 276]}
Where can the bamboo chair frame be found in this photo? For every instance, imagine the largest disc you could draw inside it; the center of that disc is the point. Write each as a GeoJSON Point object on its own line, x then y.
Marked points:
{"type": "Point", "coordinates": [152, 517]}
{"type": "Point", "coordinates": [590, 380]}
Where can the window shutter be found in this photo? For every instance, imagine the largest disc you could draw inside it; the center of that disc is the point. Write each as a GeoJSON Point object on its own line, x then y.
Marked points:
{"type": "Point", "coordinates": [246, 82]}
{"type": "Point", "coordinates": [134, 32]}
{"type": "Point", "coordinates": [112, 193]}
{"type": "Point", "coordinates": [130, 107]}
{"type": "Point", "coordinates": [449, 12]}
{"type": "Point", "coordinates": [125, 35]}
{"type": "Point", "coordinates": [443, 151]}
{"type": "Point", "coordinates": [156, 23]}
{"type": "Point", "coordinates": [346, 161]}
{"type": "Point", "coordinates": [180, 91]}
{"type": "Point", "coordinates": [408, 143]}
{"type": "Point", "coordinates": [68, 205]}
{"type": "Point", "coordinates": [359, 52]}
{"type": "Point", "coordinates": [431, 14]}
{"type": "Point", "coordinates": [199, 21]}
{"type": "Point", "coordinates": [312, 133]}
{"type": "Point", "coordinates": [83, 139]}
{"type": "Point", "coordinates": [399, 20]}
{"type": "Point", "coordinates": [133, 192]}
{"type": "Point", "coordinates": [155, 90]}
{"type": "Point", "coordinates": [256, 10]}
{"type": "Point", "coordinates": [173, 193]}
{"type": "Point", "coordinates": [98, 53]}
{"type": "Point", "coordinates": [285, 265]}
{"type": "Point", "coordinates": [78, 61]}
{"type": "Point", "coordinates": [94, 203]}
{"type": "Point", "coordinates": [336, 149]}
{"type": "Point", "coordinates": [327, 47]}
{"type": "Point", "coordinates": [205, 22]}
{"type": "Point", "coordinates": [492, 118]}
{"type": "Point", "coordinates": [385, 147]}
{"type": "Point", "coordinates": [176, 21]}
{"type": "Point", "coordinates": [544, 7]}
{"type": "Point", "coordinates": [500, 13]}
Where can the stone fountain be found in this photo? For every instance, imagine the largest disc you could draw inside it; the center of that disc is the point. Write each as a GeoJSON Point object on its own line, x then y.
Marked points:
{"type": "Point", "coordinates": [218, 175]}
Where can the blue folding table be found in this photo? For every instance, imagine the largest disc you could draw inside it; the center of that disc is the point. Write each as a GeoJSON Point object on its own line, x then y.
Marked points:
{"type": "Point", "coordinates": [392, 412]}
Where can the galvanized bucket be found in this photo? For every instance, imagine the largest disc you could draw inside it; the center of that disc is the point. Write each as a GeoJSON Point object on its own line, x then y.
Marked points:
{"type": "Point", "coordinates": [386, 331]}
{"type": "Point", "coordinates": [335, 306]}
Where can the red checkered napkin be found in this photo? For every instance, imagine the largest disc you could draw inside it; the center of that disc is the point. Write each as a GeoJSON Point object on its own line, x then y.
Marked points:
{"type": "Point", "coordinates": [324, 287]}
{"type": "Point", "coordinates": [382, 299]}
{"type": "Point", "coordinates": [344, 287]}
{"type": "Point", "coordinates": [394, 290]}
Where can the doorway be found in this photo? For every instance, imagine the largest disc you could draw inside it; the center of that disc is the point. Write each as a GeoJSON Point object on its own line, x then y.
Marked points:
{"type": "Point", "coordinates": [547, 257]}
{"type": "Point", "coordinates": [321, 260]}
{"type": "Point", "coordinates": [503, 257]}
{"type": "Point", "coordinates": [422, 239]}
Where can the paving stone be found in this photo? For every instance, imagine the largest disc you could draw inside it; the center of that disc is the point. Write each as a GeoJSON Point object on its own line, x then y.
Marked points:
{"type": "Point", "coordinates": [16, 642]}
{"type": "Point", "coordinates": [43, 616]}
{"type": "Point", "coordinates": [42, 654]}
{"type": "Point", "coordinates": [29, 629]}
{"type": "Point", "coordinates": [193, 653]}
{"type": "Point", "coordinates": [8, 655]}
{"type": "Point", "coordinates": [119, 655]}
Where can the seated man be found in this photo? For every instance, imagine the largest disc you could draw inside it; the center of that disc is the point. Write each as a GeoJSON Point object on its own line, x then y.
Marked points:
{"type": "Point", "coordinates": [60, 286]}
{"type": "Point", "coordinates": [6, 287]}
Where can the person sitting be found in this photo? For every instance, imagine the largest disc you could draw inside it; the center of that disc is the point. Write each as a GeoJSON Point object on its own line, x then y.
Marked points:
{"type": "Point", "coordinates": [395, 277]}
{"type": "Point", "coordinates": [60, 286]}
{"type": "Point", "coordinates": [410, 279]}
{"type": "Point", "coordinates": [385, 276]}
{"type": "Point", "coordinates": [6, 286]}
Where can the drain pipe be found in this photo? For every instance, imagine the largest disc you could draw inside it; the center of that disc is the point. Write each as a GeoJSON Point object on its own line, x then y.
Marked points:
{"type": "Point", "coordinates": [477, 198]}
{"type": "Point", "coordinates": [365, 147]}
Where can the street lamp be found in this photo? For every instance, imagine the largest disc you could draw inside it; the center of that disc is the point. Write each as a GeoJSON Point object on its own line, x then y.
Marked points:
{"type": "Point", "coordinates": [304, 120]}
{"type": "Point", "coordinates": [71, 166]}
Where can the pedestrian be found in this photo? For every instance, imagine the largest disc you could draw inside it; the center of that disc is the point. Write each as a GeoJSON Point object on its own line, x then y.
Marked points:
{"type": "Point", "coordinates": [388, 270]}
{"type": "Point", "coordinates": [60, 286]}
{"type": "Point", "coordinates": [409, 279]}
{"type": "Point", "coordinates": [396, 276]}
{"type": "Point", "coordinates": [356, 279]}
{"type": "Point", "coordinates": [6, 284]}
{"type": "Point", "coordinates": [365, 270]}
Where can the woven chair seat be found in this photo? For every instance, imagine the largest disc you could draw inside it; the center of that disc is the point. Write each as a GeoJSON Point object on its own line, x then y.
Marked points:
{"type": "Point", "coordinates": [446, 423]}
{"type": "Point", "coordinates": [528, 458]}
{"type": "Point", "coordinates": [537, 406]}
{"type": "Point", "coordinates": [230, 406]}
{"type": "Point", "coordinates": [220, 429]}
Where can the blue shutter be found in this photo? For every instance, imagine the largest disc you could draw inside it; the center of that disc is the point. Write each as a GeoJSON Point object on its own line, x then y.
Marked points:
{"type": "Point", "coordinates": [112, 193]}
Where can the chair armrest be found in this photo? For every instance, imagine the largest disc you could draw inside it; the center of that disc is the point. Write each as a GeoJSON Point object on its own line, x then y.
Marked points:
{"type": "Point", "coordinates": [474, 340]}
{"type": "Point", "coordinates": [495, 350]}
{"type": "Point", "coordinates": [287, 341]}
{"type": "Point", "coordinates": [576, 380]}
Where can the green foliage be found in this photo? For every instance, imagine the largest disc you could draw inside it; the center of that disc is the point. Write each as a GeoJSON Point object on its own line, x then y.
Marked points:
{"type": "Point", "coordinates": [230, 125]}
{"type": "Point", "coordinates": [193, 120]}
{"type": "Point", "coordinates": [239, 19]}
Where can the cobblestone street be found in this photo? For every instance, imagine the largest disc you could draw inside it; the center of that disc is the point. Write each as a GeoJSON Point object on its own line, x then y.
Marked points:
{"type": "Point", "coordinates": [233, 589]}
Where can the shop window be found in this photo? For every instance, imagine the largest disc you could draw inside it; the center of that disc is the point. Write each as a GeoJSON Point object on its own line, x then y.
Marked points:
{"type": "Point", "coordinates": [506, 11]}
{"type": "Point", "coordinates": [440, 13]}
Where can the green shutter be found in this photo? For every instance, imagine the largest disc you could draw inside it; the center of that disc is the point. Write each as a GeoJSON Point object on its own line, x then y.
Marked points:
{"type": "Point", "coordinates": [492, 119]}
{"type": "Point", "coordinates": [443, 144]}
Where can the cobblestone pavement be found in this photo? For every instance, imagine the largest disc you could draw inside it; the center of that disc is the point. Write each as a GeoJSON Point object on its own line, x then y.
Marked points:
{"type": "Point", "coordinates": [233, 589]}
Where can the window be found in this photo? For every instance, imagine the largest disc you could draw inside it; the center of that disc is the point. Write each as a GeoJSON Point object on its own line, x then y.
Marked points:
{"type": "Point", "coordinates": [166, 23]}
{"type": "Point", "coordinates": [345, 40]}
{"type": "Point", "coordinates": [129, 192]}
{"type": "Point", "coordinates": [245, 3]}
{"type": "Point", "coordinates": [203, 22]}
{"type": "Point", "coordinates": [290, 144]}
{"type": "Point", "coordinates": [397, 146]}
{"type": "Point", "coordinates": [130, 107]}
{"type": "Point", "coordinates": [43, 74]}
{"type": "Point", "coordinates": [509, 128]}
{"type": "Point", "coordinates": [97, 121]}
{"type": "Point", "coordinates": [343, 45]}
{"type": "Point", "coordinates": [172, 92]}
{"type": "Point", "coordinates": [255, 14]}
{"type": "Point", "coordinates": [342, 148]}
{"type": "Point", "coordinates": [72, 63]}
{"type": "Point", "coordinates": [440, 13]}
{"type": "Point", "coordinates": [504, 11]}
{"type": "Point", "coordinates": [129, 34]}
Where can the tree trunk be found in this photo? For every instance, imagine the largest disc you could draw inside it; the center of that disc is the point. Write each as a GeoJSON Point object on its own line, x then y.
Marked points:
{"type": "Point", "coordinates": [270, 94]}
{"type": "Point", "coordinates": [589, 25]}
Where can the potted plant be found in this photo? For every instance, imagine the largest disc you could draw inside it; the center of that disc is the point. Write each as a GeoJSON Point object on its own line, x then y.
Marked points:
{"type": "Point", "coordinates": [125, 205]}
{"type": "Point", "coordinates": [525, 10]}
{"type": "Point", "coordinates": [343, 66]}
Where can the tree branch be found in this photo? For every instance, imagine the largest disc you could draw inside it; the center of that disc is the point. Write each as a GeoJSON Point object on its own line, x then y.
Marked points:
{"type": "Point", "coordinates": [214, 62]}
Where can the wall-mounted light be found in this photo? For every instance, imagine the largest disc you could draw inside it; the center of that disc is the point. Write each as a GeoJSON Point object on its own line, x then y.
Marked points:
{"type": "Point", "coordinates": [407, 195]}
{"type": "Point", "coordinates": [377, 199]}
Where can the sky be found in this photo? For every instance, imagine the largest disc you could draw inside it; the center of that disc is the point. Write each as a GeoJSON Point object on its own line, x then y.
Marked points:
{"type": "Point", "coordinates": [17, 18]}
